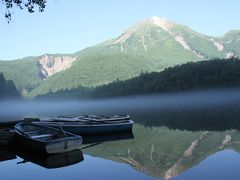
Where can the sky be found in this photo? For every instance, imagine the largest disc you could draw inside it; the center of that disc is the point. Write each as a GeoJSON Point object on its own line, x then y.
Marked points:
{"type": "Point", "coordinates": [67, 26]}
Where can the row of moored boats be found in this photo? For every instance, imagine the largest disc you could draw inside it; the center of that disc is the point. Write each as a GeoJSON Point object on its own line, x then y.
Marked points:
{"type": "Point", "coordinates": [63, 134]}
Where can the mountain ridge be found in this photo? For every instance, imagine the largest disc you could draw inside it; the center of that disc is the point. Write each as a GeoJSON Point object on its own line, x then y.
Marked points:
{"type": "Point", "coordinates": [150, 45]}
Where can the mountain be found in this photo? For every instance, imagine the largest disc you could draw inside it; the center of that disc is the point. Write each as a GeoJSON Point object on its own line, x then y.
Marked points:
{"type": "Point", "coordinates": [232, 42]}
{"type": "Point", "coordinates": [27, 73]}
{"type": "Point", "coordinates": [151, 45]}
{"type": "Point", "coordinates": [191, 76]}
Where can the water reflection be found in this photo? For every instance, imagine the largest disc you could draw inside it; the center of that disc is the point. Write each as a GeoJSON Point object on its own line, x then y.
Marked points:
{"type": "Point", "coordinates": [50, 161]}
{"type": "Point", "coordinates": [156, 151]}
{"type": "Point", "coordinates": [43, 160]}
{"type": "Point", "coordinates": [221, 166]}
{"type": "Point", "coordinates": [210, 119]}
{"type": "Point", "coordinates": [101, 138]}
{"type": "Point", "coordinates": [171, 138]}
{"type": "Point", "coordinates": [53, 161]}
{"type": "Point", "coordinates": [165, 153]}
{"type": "Point", "coordinates": [7, 154]}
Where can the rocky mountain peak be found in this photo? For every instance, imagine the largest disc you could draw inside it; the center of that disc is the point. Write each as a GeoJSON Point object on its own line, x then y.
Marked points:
{"type": "Point", "coordinates": [163, 23]}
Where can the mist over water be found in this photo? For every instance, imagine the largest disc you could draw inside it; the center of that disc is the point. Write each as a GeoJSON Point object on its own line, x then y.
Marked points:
{"type": "Point", "coordinates": [166, 127]}
{"type": "Point", "coordinates": [217, 99]}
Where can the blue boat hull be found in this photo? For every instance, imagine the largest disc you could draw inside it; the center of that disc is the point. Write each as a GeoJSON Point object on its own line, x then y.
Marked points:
{"type": "Point", "coordinates": [99, 128]}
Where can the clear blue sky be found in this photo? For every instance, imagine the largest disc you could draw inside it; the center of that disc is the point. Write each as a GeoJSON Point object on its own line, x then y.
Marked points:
{"type": "Point", "coordinates": [67, 26]}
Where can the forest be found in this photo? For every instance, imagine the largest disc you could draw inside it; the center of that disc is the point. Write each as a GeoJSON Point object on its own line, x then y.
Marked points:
{"type": "Point", "coordinates": [216, 73]}
{"type": "Point", "coordinates": [201, 75]}
{"type": "Point", "coordinates": [7, 88]}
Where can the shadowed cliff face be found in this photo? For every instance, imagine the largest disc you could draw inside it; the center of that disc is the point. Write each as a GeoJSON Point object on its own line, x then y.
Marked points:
{"type": "Point", "coordinates": [50, 64]}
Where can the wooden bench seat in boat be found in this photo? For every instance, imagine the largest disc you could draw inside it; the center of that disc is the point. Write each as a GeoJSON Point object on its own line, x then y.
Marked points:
{"type": "Point", "coordinates": [43, 136]}
{"type": "Point", "coordinates": [30, 133]}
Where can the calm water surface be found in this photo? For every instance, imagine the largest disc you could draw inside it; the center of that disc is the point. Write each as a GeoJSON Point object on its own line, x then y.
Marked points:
{"type": "Point", "coordinates": [193, 136]}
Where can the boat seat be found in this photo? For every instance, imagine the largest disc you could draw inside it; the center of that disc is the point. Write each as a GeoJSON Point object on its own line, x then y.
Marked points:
{"type": "Point", "coordinates": [32, 133]}
{"type": "Point", "coordinates": [43, 136]}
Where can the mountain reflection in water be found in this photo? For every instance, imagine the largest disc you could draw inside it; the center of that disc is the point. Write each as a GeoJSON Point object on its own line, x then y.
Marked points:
{"type": "Point", "coordinates": [168, 142]}
{"type": "Point", "coordinates": [166, 153]}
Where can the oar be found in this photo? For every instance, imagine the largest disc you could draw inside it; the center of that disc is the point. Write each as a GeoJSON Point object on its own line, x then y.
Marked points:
{"type": "Point", "coordinates": [61, 129]}
{"type": "Point", "coordinates": [90, 145]}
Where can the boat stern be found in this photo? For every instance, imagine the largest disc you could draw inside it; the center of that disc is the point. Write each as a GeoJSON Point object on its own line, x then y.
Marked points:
{"type": "Point", "coordinates": [63, 146]}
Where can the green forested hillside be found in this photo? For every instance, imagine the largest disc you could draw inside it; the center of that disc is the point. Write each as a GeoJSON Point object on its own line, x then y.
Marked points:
{"type": "Point", "coordinates": [149, 46]}
{"type": "Point", "coordinates": [94, 71]}
{"type": "Point", "coordinates": [232, 41]}
{"type": "Point", "coordinates": [216, 73]}
{"type": "Point", "coordinates": [23, 72]}
{"type": "Point", "coordinates": [7, 88]}
{"type": "Point", "coordinates": [200, 43]}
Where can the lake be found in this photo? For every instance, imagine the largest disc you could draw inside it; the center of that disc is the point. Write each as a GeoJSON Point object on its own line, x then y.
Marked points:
{"type": "Point", "coordinates": [175, 136]}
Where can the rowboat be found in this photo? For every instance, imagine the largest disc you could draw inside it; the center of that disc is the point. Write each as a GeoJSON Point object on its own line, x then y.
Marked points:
{"type": "Point", "coordinates": [90, 124]}
{"type": "Point", "coordinates": [95, 118]}
{"type": "Point", "coordinates": [46, 139]}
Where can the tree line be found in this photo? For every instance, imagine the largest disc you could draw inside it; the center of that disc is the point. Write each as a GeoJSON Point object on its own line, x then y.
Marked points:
{"type": "Point", "coordinates": [216, 73]}
{"type": "Point", "coordinates": [7, 88]}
